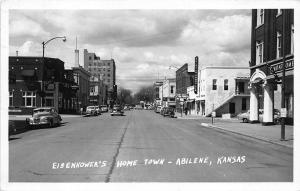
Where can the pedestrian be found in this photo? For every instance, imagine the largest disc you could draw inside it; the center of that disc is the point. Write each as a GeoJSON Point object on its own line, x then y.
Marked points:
{"type": "Point", "coordinates": [185, 110]}
{"type": "Point", "coordinates": [81, 111]}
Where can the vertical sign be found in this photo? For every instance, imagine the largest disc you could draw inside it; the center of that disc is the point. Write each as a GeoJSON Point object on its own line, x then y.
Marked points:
{"type": "Point", "coordinates": [196, 76]}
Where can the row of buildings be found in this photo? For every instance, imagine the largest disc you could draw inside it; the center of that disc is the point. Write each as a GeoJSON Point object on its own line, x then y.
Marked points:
{"type": "Point", "coordinates": [43, 81]}
{"type": "Point", "coordinates": [227, 90]}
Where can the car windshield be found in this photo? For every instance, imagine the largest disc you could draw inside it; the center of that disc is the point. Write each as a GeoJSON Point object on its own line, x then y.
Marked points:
{"type": "Point", "coordinates": [90, 107]}
{"type": "Point", "coordinates": [42, 110]}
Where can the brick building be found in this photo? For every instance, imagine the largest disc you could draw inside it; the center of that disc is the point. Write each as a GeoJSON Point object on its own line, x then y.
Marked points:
{"type": "Point", "coordinates": [272, 43]}
{"type": "Point", "coordinates": [36, 83]}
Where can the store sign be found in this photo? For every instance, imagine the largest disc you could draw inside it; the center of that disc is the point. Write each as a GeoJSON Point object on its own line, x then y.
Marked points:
{"type": "Point", "coordinates": [283, 112]}
{"type": "Point", "coordinates": [277, 68]}
{"type": "Point", "coordinates": [196, 76]}
{"type": "Point", "coordinates": [213, 114]}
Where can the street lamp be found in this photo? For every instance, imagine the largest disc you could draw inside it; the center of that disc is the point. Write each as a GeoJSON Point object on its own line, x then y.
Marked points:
{"type": "Point", "coordinates": [44, 43]}
{"type": "Point", "coordinates": [64, 39]}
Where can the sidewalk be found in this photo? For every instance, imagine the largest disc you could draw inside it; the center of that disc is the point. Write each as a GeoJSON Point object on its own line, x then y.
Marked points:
{"type": "Point", "coordinates": [269, 134]}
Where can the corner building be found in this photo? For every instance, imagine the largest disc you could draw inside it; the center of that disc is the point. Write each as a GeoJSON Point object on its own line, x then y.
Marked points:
{"type": "Point", "coordinates": [272, 43]}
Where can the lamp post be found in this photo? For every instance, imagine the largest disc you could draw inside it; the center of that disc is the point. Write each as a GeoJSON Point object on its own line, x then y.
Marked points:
{"type": "Point", "coordinates": [43, 58]}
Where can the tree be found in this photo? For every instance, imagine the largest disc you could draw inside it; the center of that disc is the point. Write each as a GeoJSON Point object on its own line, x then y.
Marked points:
{"type": "Point", "coordinates": [124, 96]}
{"type": "Point", "coordinates": [146, 93]}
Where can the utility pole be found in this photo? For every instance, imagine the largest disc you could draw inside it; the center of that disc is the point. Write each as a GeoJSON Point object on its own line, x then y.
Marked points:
{"type": "Point", "coordinates": [283, 108]}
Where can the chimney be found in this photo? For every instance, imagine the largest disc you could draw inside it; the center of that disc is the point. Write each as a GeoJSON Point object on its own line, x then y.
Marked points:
{"type": "Point", "coordinates": [76, 55]}
{"type": "Point", "coordinates": [17, 53]}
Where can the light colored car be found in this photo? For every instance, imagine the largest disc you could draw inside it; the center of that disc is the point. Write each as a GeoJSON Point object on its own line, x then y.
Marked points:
{"type": "Point", "coordinates": [117, 110]}
{"type": "Point", "coordinates": [104, 108]}
{"type": "Point", "coordinates": [157, 109]}
{"type": "Point", "coordinates": [91, 110]}
{"type": "Point", "coordinates": [44, 116]}
{"type": "Point", "coordinates": [245, 116]}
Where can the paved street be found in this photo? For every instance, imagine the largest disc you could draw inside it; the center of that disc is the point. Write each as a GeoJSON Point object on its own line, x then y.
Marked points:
{"type": "Point", "coordinates": [152, 148]}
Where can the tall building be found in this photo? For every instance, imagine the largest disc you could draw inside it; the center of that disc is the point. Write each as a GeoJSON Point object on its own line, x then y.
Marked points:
{"type": "Point", "coordinates": [104, 71]}
{"type": "Point", "coordinates": [97, 67]}
{"type": "Point", "coordinates": [272, 44]}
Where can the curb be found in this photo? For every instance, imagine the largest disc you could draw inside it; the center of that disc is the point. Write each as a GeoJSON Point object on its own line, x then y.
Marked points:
{"type": "Point", "coordinates": [249, 136]}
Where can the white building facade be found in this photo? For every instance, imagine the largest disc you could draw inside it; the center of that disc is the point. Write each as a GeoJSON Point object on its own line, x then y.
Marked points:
{"type": "Point", "coordinates": [167, 92]}
{"type": "Point", "coordinates": [223, 89]}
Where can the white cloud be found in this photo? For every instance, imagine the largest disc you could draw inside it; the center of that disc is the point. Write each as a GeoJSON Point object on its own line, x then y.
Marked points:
{"type": "Point", "coordinates": [142, 42]}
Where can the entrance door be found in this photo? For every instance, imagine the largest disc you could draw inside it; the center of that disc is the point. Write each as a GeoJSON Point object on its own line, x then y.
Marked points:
{"type": "Point", "coordinates": [231, 108]}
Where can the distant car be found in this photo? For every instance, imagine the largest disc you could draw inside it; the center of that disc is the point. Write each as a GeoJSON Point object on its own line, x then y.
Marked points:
{"type": "Point", "coordinates": [117, 110]}
{"type": "Point", "coordinates": [104, 108]}
{"type": "Point", "coordinates": [157, 109]}
{"type": "Point", "coordinates": [91, 110]}
{"type": "Point", "coordinates": [162, 110]}
{"type": "Point", "coordinates": [98, 110]}
{"type": "Point", "coordinates": [245, 116]}
{"type": "Point", "coordinates": [44, 116]}
{"type": "Point", "coordinates": [169, 111]}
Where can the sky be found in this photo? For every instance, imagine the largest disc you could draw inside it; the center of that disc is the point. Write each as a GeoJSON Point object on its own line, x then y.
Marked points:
{"type": "Point", "coordinates": [143, 43]}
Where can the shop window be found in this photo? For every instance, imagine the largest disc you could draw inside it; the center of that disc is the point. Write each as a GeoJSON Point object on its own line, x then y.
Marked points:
{"type": "Point", "coordinates": [11, 98]}
{"type": "Point", "coordinates": [29, 99]}
{"type": "Point", "coordinates": [214, 85]}
{"type": "Point", "coordinates": [225, 84]}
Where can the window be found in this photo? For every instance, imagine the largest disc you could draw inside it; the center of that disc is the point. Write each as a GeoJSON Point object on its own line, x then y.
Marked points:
{"type": "Point", "coordinates": [279, 11]}
{"type": "Point", "coordinates": [11, 97]}
{"type": "Point", "coordinates": [90, 58]}
{"type": "Point", "coordinates": [172, 89]}
{"type": "Point", "coordinates": [108, 75]}
{"type": "Point", "coordinates": [259, 52]}
{"type": "Point", "coordinates": [214, 86]}
{"type": "Point", "coordinates": [28, 99]}
{"type": "Point", "coordinates": [292, 39]}
{"type": "Point", "coordinates": [244, 104]}
{"type": "Point", "coordinates": [279, 45]}
{"type": "Point", "coordinates": [108, 64]}
{"type": "Point", "coordinates": [260, 17]}
{"type": "Point", "coordinates": [108, 80]}
{"type": "Point", "coordinates": [226, 84]}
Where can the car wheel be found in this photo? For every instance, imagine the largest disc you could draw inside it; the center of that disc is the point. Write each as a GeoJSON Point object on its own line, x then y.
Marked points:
{"type": "Point", "coordinates": [245, 120]}
{"type": "Point", "coordinates": [51, 124]}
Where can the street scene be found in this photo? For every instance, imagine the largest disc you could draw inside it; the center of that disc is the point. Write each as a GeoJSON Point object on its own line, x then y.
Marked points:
{"type": "Point", "coordinates": [151, 95]}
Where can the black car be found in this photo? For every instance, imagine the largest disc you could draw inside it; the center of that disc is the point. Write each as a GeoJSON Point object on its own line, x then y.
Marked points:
{"type": "Point", "coordinates": [169, 111]}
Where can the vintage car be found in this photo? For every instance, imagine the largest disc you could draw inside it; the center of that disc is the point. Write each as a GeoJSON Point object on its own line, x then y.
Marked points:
{"type": "Point", "coordinates": [157, 109]}
{"type": "Point", "coordinates": [245, 116]}
{"type": "Point", "coordinates": [117, 110]}
{"type": "Point", "coordinates": [44, 116]}
{"type": "Point", "coordinates": [169, 111]}
{"type": "Point", "coordinates": [91, 110]}
{"type": "Point", "coordinates": [104, 108]}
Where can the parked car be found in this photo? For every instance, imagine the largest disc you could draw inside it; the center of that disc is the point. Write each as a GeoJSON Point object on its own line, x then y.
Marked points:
{"type": "Point", "coordinates": [157, 109]}
{"type": "Point", "coordinates": [98, 110]}
{"type": "Point", "coordinates": [245, 116]}
{"type": "Point", "coordinates": [117, 110]}
{"type": "Point", "coordinates": [91, 110]}
{"type": "Point", "coordinates": [104, 108]}
{"type": "Point", "coordinates": [169, 111]}
{"type": "Point", "coordinates": [44, 116]}
{"type": "Point", "coordinates": [162, 110]}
